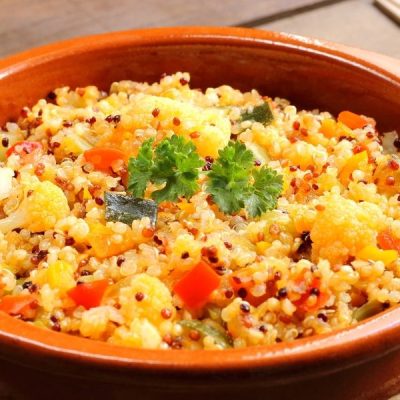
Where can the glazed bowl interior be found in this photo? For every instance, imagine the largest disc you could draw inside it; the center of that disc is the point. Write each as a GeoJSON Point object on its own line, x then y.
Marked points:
{"type": "Point", "coordinates": [308, 73]}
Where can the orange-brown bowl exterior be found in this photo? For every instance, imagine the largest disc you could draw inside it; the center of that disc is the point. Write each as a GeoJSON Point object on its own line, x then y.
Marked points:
{"type": "Point", "coordinates": [362, 362]}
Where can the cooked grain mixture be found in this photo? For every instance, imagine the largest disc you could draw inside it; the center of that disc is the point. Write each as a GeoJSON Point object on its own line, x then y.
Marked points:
{"type": "Point", "coordinates": [160, 216]}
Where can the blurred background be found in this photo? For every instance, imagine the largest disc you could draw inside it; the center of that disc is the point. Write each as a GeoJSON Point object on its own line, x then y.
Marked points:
{"type": "Point", "coordinates": [368, 24]}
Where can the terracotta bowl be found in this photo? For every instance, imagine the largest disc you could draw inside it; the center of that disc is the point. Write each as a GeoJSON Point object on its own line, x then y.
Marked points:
{"type": "Point", "coordinates": [362, 362]}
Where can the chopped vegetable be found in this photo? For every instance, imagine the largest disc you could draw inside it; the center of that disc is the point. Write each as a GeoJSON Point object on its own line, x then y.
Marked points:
{"type": "Point", "coordinates": [352, 120]}
{"type": "Point", "coordinates": [235, 183]}
{"type": "Point", "coordinates": [125, 208]}
{"type": "Point", "coordinates": [89, 294]}
{"type": "Point", "coordinates": [375, 254]}
{"type": "Point", "coordinates": [197, 285]}
{"type": "Point", "coordinates": [101, 239]}
{"type": "Point", "coordinates": [308, 290]}
{"type": "Point", "coordinates": [261, 113]}
{"type": "Point", "coordinates": [6, 175]}
{"type": "Point", "coordinates": [44, 204]}
{"type": "Point", "coordinates": [60, 275]}
{"type": "Point", "coordinates": [387, 241]}
{"type": "Point", "coordinates": [73, 143]}
{"type": "Point", "coordinates": [243, 283]}
{"type": "Point", "coordinates": [367, 310]}
{"type": "Point", "coordinates": [220, 338]}
{"type": "Point", "coordinates": [174, 163]}
{"type": "Point", "coordinates": [103, 158]}
{"type": "Point", "coordinates": [24, 305]}
{"type": "Point", "coordinates": [357, 161]}
{"type": "Point", "coordinates": [24, 148]}
{"type": "Point", "coordinates": [328, 127]}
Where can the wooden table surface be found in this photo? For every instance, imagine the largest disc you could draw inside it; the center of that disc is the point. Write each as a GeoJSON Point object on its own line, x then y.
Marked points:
{"type": "Point", "coordinates": [29, 23]}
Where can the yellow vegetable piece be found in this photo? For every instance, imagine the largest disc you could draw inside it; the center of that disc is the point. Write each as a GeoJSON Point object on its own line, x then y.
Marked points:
{"type": "Point", "coordinates": [60, 275]}
{"type": "Point", "coordinates": [86, 194]}
{"type": "Point", "coordinates": [358, 161]}
{"type": "Point", "coordinates": [74, 144]}
{"type": "Point", "coordinates": [373, 253]}
{"type": "Point", "coordinates": [104, 243]}
{"type": "Point", "coordinates": [328, 127]}
{"type": "Point", "coordinates": [343, 130]}
{"type": "Point", "coordinates": [187, 207]}
{"type": "Point", "coordinates": [262, 246]}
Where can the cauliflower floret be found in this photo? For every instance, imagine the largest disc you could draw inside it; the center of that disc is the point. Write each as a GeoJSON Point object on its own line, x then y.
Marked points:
{"type": "Point", "coordinates": [141, 334]}
{"type": "Point", "coordinates": [344, 228]}
{"type": "Point", "coordinates": [211, 124]}
{"type": "Point", "coordinates": [44, 203]}
{"type": "Point", "coordinates": [6, 175]}
{"type": "Point", "coordinates": [157, 300]}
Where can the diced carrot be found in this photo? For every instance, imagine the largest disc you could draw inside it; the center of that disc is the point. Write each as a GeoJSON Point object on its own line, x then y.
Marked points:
{"type": "Point", "coordinates": [357, 161]}
{"type": "Point", "coordinates": [196, 286]}
{"type": "Point", "coordinates": [352, 120]}
{"type": "Point", "coordinates": [387, 241]}
{"type": "Point", "coordinates": [102, 158]}
{"type": "Point", "coordinates": [101, 240]}
{"type": "Point", "coordinates": [24, 305]}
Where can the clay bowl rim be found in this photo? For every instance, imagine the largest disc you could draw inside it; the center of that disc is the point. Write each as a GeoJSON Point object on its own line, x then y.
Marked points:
{"type": "Point", "coordinates": [367, 340]}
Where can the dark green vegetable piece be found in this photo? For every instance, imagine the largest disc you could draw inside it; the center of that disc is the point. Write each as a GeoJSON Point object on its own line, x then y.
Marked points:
{"type": "Point", "coordinates": [204, 329]}
{"type": "Point", "coordinates": [125, 208]}
{"type": "Point", "coordinates": [367, 310]}
{"type": "Point", "coordinates": [261, 113]}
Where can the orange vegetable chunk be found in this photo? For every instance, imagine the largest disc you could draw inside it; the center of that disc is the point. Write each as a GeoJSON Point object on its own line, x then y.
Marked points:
{"type": "Point", "coordinates": [352, 120]}
{"type": "Point", "coordinates": [197, 285]}
{"type": "Point", "coordinates": [102, 158]}
{"type": "Point", "coordinates": [22, 304]}
{"type": "Point", "coordinates": [88, 294]}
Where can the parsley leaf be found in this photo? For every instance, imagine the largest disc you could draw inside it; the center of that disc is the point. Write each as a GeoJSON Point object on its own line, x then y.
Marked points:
{"type": "Point", "coordinates": [174, 163]}
{"type": "Point", "coordinates": [229, 177]}
{"type": "Point", "coordinates": [261, 113]}
{"type": "Point", "coordinates": [140, 169]}
{"type": "Point", "coordinates": [235, 183]}
{"type": "Point", "coordinates": [263, 194]}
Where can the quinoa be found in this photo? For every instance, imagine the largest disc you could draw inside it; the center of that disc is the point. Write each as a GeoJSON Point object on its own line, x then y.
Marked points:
{"type": "Point", "coordinates": [326, 257]}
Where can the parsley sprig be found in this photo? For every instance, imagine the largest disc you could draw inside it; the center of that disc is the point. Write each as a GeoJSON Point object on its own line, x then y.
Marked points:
{"type": "Point", "coordinates": [235, 183]}
{"type": "Point", "coordinates": [174, 163]}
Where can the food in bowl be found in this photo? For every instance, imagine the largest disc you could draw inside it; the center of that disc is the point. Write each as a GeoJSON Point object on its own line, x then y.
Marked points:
{"type": "Point", "coordinates": [160, 216]}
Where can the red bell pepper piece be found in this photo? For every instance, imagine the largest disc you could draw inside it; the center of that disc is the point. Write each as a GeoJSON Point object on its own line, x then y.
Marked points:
{"type": "Point", "coordinates": [24, 148]}
{"type": "Point", "coordinates": [88, 294]}
{"type": "Point", "coordinates": [242, 286]}
{"type": "Point", "coordinates": [197, 285]}
{"type": "Point", "coordinates": [322, 297]}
